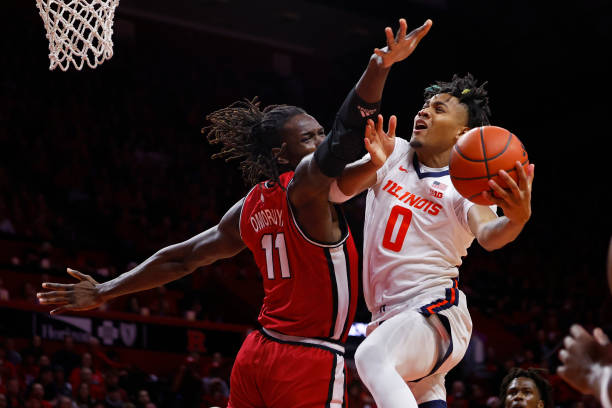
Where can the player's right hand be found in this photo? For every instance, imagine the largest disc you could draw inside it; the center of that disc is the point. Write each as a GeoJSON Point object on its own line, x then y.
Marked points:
{"type": "Point", "coordinates": [402, 45]}
{"type": "Point", "coordinates": [378, 143]}
{"type": "Point", "coordinates": [582, 357]}
{"type": "Point", "coordinates": [83, 295]}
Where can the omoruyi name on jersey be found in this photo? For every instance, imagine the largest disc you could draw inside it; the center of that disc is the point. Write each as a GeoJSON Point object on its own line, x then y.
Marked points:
{"type": "Point", "coordinates": [267, 217]}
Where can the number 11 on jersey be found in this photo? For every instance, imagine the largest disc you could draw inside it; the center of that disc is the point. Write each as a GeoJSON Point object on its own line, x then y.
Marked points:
{"type": "Point", "coordinates": [281, 249]}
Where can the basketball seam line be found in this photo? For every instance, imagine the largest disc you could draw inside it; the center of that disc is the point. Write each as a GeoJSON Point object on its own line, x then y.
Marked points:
{"type": "Point", "coordinates": [482, 177]}
{"type": "Point", "coordinates": [484, 151]}
{"type": "Point", "coordinates": [490, 158]}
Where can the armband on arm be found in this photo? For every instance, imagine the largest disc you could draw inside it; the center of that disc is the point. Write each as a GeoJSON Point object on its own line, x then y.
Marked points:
{"type": "Point", "coordinates": [344, 143]}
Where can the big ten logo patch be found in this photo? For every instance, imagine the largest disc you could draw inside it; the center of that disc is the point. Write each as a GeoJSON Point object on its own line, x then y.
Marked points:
{"type": "Point", "coordinates": [437, 194]}
{"type": "Point", "coordinates": [195, 341]}
{"type": "Point", "coordinates": [437, 189]}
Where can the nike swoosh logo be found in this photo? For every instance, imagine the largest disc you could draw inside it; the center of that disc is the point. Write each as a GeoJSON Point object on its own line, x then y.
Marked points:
{"type": "Point", "coordinates": [403, 169]}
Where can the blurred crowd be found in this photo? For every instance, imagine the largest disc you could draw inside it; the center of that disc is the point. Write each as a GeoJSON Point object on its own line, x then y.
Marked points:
{"type": "Point", "coordinates": [86, 376]}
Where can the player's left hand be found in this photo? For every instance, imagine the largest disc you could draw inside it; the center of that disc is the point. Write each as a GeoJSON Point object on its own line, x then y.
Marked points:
{"type": "Point", "coordinates": [401, 45]}
{"type": "Point", "coordinates": [378, 143]}
{"type": "Point", "coordinates": [582, 356]}
{"type": "Point", "coordinates": [83, 295]}
{"type": "Point", "coordinates": [516, 200]}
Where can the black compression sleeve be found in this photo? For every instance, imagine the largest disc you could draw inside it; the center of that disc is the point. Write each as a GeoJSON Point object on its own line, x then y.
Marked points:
{"type": "Point", "coordinates": [344, 143]}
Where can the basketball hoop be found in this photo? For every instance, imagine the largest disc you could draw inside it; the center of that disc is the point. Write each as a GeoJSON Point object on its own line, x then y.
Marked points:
{"type": "Point", "coordinates": [78, 31]}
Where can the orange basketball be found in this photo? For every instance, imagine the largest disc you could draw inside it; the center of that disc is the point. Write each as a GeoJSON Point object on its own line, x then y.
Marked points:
{"type": "Point", "coordinates": [479, 155]}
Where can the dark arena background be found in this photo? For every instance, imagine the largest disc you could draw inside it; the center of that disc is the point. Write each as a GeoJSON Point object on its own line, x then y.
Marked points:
{"type": "Point", "coordinates": [101, 168]}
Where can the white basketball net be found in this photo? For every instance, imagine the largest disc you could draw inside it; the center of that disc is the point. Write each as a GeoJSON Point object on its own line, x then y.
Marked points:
{"type": "Point", "coordinates": [78, 31]}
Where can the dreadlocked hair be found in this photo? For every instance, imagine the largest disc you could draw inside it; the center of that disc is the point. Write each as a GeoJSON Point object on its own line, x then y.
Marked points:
{"type": "Point", "coordinates": [469, 93]}
{"type": "Point", "coordinates": [536, 375]}
{"type": "Point", "coordinates": [249, 133]}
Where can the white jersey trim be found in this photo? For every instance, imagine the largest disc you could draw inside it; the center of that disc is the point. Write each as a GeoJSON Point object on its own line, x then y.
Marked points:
{"type": "Point", "coordinates": [241, 209]}
{"type": "Point", "coordinates": [338, 261]}
{"type": "Point", "coordinates": [338, 348]}
{"type": "Point", "coordinates": [336, 398]}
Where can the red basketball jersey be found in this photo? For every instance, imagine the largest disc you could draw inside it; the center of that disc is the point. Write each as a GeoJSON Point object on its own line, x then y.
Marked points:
{"type": "Point", "coordinates": [310, 287]}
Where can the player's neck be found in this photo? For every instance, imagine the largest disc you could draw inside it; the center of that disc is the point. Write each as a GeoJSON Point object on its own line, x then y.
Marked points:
{"type": "Point", "coordinates": [434, 160]}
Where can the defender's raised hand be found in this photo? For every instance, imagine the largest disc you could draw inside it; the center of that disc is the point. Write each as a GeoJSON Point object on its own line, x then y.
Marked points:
{"type": "Point", "coordinates": [378, 143]}
{"type": "Point", "coordinates": [83, 295]}
{"type": "Point", "coordinates": [401, 45]}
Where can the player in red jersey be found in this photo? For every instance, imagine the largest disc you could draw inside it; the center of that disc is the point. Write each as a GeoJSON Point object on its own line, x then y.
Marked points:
{"type": "Point", "coordinates": [300, 242]}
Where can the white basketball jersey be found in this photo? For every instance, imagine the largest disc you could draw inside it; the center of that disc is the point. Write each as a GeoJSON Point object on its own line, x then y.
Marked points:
{"type": "Point", "coordinates": [415, 233]}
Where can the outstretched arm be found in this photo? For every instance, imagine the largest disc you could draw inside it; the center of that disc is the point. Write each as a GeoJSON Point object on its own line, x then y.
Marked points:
{"type": "Point", "coordinates": [494, 232]}
{"type": "Point", "coordinates": [166, 265]}
{"type": "Point", "coordinates": [399, 47]}
{"type": "Point", "coordinates": [343, 144]}
{"type": "Point", "coordinates": [314, 175]}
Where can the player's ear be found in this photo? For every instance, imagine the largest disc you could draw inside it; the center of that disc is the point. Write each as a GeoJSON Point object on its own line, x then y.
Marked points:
{"type": "Point", "coordinates": [460, 132]}
{"type": "Point", "coordinates": [280, 153]}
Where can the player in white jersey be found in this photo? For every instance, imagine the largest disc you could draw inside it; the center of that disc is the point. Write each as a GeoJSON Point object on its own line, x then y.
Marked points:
{"type": "Point", "coordinates": [417, 228]}
{"type": "Point", "coordinates": [409, 194]}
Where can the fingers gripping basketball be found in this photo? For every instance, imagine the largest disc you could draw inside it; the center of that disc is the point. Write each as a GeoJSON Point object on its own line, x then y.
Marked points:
{"type": "Point", "coordinates": [479, 155]}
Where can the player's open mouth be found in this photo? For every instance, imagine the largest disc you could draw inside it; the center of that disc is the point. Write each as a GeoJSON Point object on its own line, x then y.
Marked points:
{"type": "Point", "coordinates": [420, 124]}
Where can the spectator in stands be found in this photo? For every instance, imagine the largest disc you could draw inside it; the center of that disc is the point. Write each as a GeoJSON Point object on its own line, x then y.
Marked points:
{"type": "Point", "coordinates": [113, 397]}
{"type": "Point", "coordinates": [36, 397]}
{"type": "Point", "coordinates": [83, 397]}
{"type": "Point", "coordinates": [3, 401]}
{"type": "Point", "coordinates": [14, 396]}
{"type": "Point", "coordinates": [187, 384]}
{"type": "Point", "coordinates": [493, 402]}
{"type": "Point", "coordinates": [143, 398]}
{"type": "Point", "coordinates": [86, 363]}
{"type": "Point", "coordinates": [95, 382]}
{"type": "Point", "coordinates": [62, 386]}
{"type": "Point", "coordinates": [29, 369]}
{"type": "Point", "coordinates": [44, 361]}
{"type": "Point", "coordinates": [6, 225]}
{"type": "Point", "coordinates": [217, 394]}
{"type": "Point", "coordinates": [65, 401]}
{"type": "Point", "coordinates": [66, 356]}
{"type": "Point", "coordinates": [7, 369]}
{"type": "Point", "coordinates": [34, 349]}
{"type": "Point", "coordinates": [45, 378]}
{"type": "Point", "coordinates": [111, 381]}
{"type": "Point", "coordinates": [525, 388]}
{"type": "Point", "coordinates": [4, 293]}
{"type": "Point", "coordinates": [457, 397]}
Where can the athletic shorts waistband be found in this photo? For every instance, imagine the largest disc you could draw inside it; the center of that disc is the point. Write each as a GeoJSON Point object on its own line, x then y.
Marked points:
{"type": "Point", "coordinates": [303, 341]}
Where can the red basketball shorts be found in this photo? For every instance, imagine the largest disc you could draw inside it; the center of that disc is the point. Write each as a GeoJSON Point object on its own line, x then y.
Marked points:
{"type": "Point", "coordinates": [273, 370]}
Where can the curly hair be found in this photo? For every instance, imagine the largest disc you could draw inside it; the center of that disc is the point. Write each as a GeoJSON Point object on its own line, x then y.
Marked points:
{"type": "Point", "coordinates": [534, 374]}
{"type": "Point", "coordinates": [247, 132]}
{"type": "Point", "coordinates": [469, 93]}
